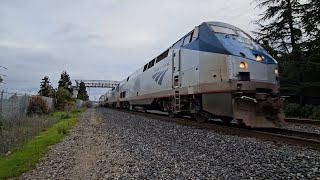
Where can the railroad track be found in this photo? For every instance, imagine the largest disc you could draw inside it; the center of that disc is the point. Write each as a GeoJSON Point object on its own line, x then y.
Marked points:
{"type": "Point", "coordinates": [303, 121]}
{"type": "Point", "coordinates": [278, 136]}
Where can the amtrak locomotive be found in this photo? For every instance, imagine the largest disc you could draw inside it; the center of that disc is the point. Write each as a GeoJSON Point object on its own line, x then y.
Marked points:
{"type": "Point", "coordinates": [215, 71]}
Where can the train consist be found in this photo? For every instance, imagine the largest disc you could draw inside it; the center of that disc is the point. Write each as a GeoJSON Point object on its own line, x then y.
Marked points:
{"type": "Point", "coordinates": [215, 71]}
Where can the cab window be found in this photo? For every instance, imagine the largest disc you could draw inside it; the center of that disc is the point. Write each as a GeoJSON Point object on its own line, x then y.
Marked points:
{"type": "Point", "coordinates": [223, 30]}
{"type": "Point", "coordinates": [187, 40]}
{"type": "Point", "coordinates": [151, 63]}
{"type": "Point", "coordinates": [243, 34]}
{"type": "Point", "coordinates": [145, 67]}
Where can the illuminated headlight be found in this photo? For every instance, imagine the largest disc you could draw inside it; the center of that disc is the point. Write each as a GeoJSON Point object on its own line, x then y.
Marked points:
{"type": "Point", "coordinates": [276, 71]}
{"type": "Point", "coordinates": [243, 65]}
{"type": "Point", "coordinates": [259, 57]}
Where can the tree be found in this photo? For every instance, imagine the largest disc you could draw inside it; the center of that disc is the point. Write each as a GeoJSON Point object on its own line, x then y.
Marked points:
{"type": "Point", "coordinates": [311, 17]}
{"type": "Point", "coordinates": [291, 33]}
{"type": "Point", "coordinates": [65, 82]}
{"type": "Point", "coordinates": [46, 88]}
{"type": "Point", "coordinates": [311, 24]}
{"type": "Point", "coordinates": [63, 98]}
{"type": "Point", "coordinates": [82, 94]}
{"type": "Point", "coordinates": [1, 79]}
{"type": "Point", "coordinates": [282, 31]}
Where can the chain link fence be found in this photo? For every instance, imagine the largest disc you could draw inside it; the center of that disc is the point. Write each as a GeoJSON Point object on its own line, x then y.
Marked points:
{"type": "Point", "coordinates": [14, 105]}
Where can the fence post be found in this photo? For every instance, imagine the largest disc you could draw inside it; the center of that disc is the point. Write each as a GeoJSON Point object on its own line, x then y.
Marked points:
{"type": "Point", "coordinates": [26, 104]}
{"type": "Point", "coordinates": [1, 102]}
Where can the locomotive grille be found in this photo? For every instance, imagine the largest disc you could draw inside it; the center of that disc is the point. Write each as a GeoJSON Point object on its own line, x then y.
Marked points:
{"type": "Point", "coordinates": [244, 76]}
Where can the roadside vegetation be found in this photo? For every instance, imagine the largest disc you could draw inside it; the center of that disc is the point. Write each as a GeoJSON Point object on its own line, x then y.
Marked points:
{"type": "Point", "coordinates": [289, 31]}
{"type": "Point", "coordinates": [25, 141]}
{"type": "Point", "coordinates": [302, 111]}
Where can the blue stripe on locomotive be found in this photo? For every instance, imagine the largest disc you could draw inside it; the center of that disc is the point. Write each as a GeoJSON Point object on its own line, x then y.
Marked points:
{"type": "Point", "coordinates": [209, 41]}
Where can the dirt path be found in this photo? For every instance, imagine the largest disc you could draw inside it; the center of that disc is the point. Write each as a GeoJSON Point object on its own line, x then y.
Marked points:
{"type": "Point", "coordinates": [87, 153]}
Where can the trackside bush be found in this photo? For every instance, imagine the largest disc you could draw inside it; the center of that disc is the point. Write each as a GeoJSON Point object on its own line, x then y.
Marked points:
{"type": "Point", "coordinates": [37, 106]}
{"type": "Point", "coordinates": [87, 104]}
{"type": "Point", "coordinates": [316, 113]}
{"type": "Point", "coordinates": [307, 111]}
{"type": "Point", "coordinates": [64, 99]}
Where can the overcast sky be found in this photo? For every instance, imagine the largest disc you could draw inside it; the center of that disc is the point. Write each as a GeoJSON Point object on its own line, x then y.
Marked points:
{"type": "Point", "coordinates": [99, 39]}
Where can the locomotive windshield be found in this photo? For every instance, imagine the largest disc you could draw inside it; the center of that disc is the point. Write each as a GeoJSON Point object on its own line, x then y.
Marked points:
{"type": "Point", "coordinates": [223, 33]}
{"type": "Point", "coordinates": [243, 35]}
{"type": "Point", "coordinates": [224, 30]}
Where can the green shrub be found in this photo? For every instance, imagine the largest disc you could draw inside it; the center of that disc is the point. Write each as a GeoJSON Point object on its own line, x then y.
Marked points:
{"type": "Point", "coordinates": [292, 110]}
{"type": "Point", "coordinates": [87, 104]}
{"type": "Point", "coordinates": [37, 106]}
{"type": "Point", "coordinates": [307, 111]}
{"type": "Point", "coordinates": [63, 99]}
{"type": "Point", "coordinates": [316, 113]}
{"type": "Point", "coordinates": [65, 116]}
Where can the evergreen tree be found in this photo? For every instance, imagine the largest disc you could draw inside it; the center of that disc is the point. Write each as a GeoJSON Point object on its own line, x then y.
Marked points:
{"type": "Point", "coordinates": [82, 94]}
{"type": "Point", "coordinates": [52, 91]}
{"type": "Point", "coordinates": [292, 32]}
{"type": "Point", "coordinates": [45, 87]}
{"type": "Point", "coordinates": [311, 24]}
{"type": "Point", "coordinates": [283, 29]}
{"type": "Point", "coordinates": [65, 82]}
{"type": "Point", "coordinates": [311, 17]}
{"type": "Point", "coordinates": [1, 79]}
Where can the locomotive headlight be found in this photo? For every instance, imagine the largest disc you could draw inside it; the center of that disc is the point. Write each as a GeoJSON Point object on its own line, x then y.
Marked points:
{"type": "Point", "coordinates": [243, 65]}
{"type": "Point", "coordinates": [276, 71]}
{"type": "Point", "coordinates": [259, 57]}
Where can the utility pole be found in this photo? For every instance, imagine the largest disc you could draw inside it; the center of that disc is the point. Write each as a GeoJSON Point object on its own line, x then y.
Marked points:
{"type": "Point", "coordinates": [1, 75]}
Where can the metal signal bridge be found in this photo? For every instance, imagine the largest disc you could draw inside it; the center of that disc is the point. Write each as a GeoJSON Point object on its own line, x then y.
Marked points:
{"type": "Point", "coordinates": [98, 83]}
{"type": "Point", "coordinates": [94, 84]}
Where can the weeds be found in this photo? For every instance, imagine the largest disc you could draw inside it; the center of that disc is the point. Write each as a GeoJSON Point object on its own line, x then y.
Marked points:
{"type": "Point", "coordinates": [62, 130]}
{"type": "Point", "coordinates": [65, 116]}
{"type": "Point", "coordinates": [16, 131]}
{"type": "Point", "coordinates": [23, 142]}
{"type": "Point", "coordinates": [28, 154]}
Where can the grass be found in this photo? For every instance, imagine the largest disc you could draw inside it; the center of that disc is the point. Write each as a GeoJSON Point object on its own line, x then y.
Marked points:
{"type": "Point", "coordinates": [26, 157]}
{"type": "Point", "coordinates": [14, 132]}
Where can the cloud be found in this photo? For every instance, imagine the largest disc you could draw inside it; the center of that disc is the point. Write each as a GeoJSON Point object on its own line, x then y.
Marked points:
{"type": "Point", "coordinates": [16, 44]}
{"type": "Point", "coordinates": [100, 39]}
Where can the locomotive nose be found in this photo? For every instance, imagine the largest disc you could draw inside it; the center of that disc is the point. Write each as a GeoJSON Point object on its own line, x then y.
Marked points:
{"type": "Point", "coordinates": [247, 70]}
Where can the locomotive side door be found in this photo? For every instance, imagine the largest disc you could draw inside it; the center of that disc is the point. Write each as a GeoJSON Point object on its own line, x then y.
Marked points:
{"type": "Point", "coordinates": [176, 66]}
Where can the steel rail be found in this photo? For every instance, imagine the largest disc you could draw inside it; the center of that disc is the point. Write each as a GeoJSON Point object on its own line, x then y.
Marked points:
{"type": "Point", "coordinates": [278, 136]}
{"type": "Point", "coordinates": [303, 121]}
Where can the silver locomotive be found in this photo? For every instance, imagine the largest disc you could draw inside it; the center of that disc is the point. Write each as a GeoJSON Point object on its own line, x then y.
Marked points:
{"type": "Point", "coordinates": [215, 71]}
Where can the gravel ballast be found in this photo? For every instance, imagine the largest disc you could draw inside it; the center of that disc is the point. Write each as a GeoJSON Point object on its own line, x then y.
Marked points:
{"type": "Point", "coordinates": [109, 144]}
{"type": "Point", "coordinates": [303, 128]}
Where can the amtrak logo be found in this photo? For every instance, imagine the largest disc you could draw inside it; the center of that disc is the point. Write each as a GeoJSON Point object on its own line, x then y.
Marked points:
{"type": "Point", "coordinates": [158, 76]}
